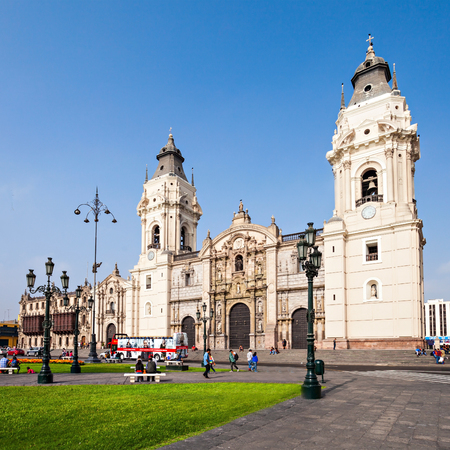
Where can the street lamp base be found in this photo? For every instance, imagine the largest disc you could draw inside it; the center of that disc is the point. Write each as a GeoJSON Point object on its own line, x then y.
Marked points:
{"type": "Point", "coordinates": [93, 360]}
{"type": "Point", "coordinates": [45, 378]}
{"type": "Point", "coordinates": [312, 392]}
{"type": "Point", "coordinates": [75, 369]}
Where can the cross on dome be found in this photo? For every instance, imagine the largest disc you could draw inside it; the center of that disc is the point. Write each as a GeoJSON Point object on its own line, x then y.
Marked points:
{"type": "Point", "coordinates": [370, 39]}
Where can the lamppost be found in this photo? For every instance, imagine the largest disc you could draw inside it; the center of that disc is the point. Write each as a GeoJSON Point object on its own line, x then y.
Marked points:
{"type": "Point", "coordinates": [75, 368]}
{"type": "Point", "coordinates": [96, 207]}
{"type": "Point", "coordinates": [204, 320]}
{"type": "Point", "coordinates": [311, 388]}
{"type": "Point", "coordinates": [45, 375]}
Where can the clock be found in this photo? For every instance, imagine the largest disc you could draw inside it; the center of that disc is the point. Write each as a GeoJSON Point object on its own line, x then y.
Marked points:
{"type": "Point", "coordinates": [150, 255]}
{"type": "Point", "coordinates": [368, 212]}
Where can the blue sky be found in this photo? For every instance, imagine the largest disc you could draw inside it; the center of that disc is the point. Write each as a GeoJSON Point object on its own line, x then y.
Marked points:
{"type": "Point", "coordinates": [89, 90]}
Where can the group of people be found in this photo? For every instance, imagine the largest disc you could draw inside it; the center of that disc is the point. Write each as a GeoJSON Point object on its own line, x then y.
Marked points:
{"type": "Point", "coordinates": [420, 351]}
{"type": "Point", "coordinates": [5, 363]}
{"type": "Point", "coordinates": [65, 353]}
{"type": "Point", "coordinates": [274, 351]}
{"type": "Point", "coordinates": [439, 356]}
{"type": "Point", "coordinates": [150, 367]}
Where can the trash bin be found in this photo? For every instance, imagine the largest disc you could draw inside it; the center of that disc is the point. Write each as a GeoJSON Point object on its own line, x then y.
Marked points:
{"type": "Point", "coordinates": [320, 368]}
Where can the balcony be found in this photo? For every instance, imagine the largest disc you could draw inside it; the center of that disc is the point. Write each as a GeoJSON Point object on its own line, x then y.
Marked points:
{"type": "Point", "coordinates": [372, 257]}
{"type": "Point", "coordinates": [369, 198]}
{"type": "Point", "coordinates": [156, 246]}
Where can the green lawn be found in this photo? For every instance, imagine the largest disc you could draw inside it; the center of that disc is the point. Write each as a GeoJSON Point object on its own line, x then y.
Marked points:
{"type": "Point", "coordinates": [126, 417]}
{"type": "Point", "coordinates": [102, 368]}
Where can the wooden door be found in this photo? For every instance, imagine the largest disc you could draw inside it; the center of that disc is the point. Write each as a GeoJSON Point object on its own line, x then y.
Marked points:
{"type": "Point", "coordinates": [299, 328]}
{"type": "Point", "coordinates": [239, 326]}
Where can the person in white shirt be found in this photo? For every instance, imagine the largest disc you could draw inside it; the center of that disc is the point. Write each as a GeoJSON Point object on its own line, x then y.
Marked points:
{"type": "Point", "coordinates": [249, 358]}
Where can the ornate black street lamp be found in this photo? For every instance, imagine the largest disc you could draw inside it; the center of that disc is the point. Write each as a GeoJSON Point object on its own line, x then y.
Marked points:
{"type": "Point", "coordinates": [75, 368]}
{"type": "Point", "coordinates": [204, 320]}
{"type": "Point", "coordinates": [45, 375]}
{"type": "Point", "coordinates": [96, 207]}
{"type": "Point", "coordinates": [311, 388]}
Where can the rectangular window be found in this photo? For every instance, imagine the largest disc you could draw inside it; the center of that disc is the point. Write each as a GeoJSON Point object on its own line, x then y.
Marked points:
{"type": "Point", "coordinates": [432, 320]}
{"type": "Point", "coordinates": [371, 249]}
{"type": "Point", "coordinates": [188, 279]}
{"type": "Point", "coordinates": [148, 282]}
{"type": "Point", "coordinates": [443, 319]}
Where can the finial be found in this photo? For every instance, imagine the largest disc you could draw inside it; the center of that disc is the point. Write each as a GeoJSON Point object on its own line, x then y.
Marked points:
{"type": "Point", "coordinates": [241, 206]}
{"type": "Point", "coordinates": [208, 236]}
{"type": "Point", "coordinates": [394, 81]}
{"type": "Point", "coordinates": [192, 182]}
{"type": "Point", "coordinates": [146, 173]}
{"type": "Point", "coordinates": [170, 132]}
{"type": "Point", "coordinates": [342, 98]}
{"type": "Point", "coordinates": [273, 218]}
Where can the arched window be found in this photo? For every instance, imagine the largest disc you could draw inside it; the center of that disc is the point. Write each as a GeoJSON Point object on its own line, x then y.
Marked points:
{"type": "Point", "coordinates": [148, 309]}
{"type": "Point", "coordinates": [239, 263]}
{"type": "Point", "coordinates": [184, 241]}
{"type": "Point", "coordinates": [156, 237]}
{"type": "Point", "coordinates": [369, 184]}
{"type": "Point", "coordinates": [112, 307]}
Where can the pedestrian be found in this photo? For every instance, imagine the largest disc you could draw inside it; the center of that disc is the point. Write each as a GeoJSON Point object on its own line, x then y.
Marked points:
{"type": "Point", "coordinates": [15, 363]}
{"type": "Point", "coordinates": [211, 363]}
{"type": "Point", "coordinates": [255, 362]}
{"type": "Point", "coordinates": [249, 359]}
{"type": "Point", "coordinates": [233, 359]}
{"type": "Point", "coordinates": [334, 344]}
{"type": "Point", "coordinates": [284, 344]}
{"type": "Point", "coordinates": [206, 363]}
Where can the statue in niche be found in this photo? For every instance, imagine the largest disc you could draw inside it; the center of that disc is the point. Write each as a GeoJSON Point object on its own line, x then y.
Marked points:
{"type": "Point", "coordinates": [219, 275]}
{"type": "Point", "coordinates": [219, 310]}
{"type": "Point", "coordinates": [283, 308]}
{"type": "Point", "coordinates": [373, 291]}
{"type": "Point", "coordinates": [319, 303]}
{"type": "Point", "coordinates": [219, 327]}
{"type": "Point", "coordinates": [260, 307]}
{"type": "Point", "coordinates": [259, 269]}
{"type": "Point", "coordinates": [176, 314]}
{"type": "Point", "coordinates": [260, 325]}
{"type": "Point", "coordinates": [238, 288]}
{"type": "Point", "coordinates": [149, 309]}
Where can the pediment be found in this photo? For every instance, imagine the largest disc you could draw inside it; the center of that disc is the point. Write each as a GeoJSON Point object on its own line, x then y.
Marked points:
{"type": "Point", "coordinates": [367, 123]}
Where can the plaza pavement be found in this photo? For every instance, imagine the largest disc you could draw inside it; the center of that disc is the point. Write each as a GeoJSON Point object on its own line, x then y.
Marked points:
{"type": "Point", "coordinates": [361, 408]}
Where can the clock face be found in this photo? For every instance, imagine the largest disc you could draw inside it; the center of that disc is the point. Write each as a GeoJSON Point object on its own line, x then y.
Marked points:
{"type": "Point", "coordinates": [151, 255]}
{"type": "Point", "coordinates": [368, 212]}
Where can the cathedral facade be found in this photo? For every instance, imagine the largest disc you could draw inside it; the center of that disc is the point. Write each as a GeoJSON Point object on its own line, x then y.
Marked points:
{"type": "Point", "coordinates": [248, 281]}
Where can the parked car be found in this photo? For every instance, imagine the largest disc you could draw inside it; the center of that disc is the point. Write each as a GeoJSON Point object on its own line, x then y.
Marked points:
{"type": "Point", "coordinates": [16, 351]}
{"type": "Point", "coordinates": [3, 352]}
{"type": "Point", "coordinates": [35, 351]}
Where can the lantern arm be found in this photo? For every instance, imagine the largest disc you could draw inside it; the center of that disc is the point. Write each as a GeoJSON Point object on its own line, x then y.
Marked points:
{"type": "Point", "coordinates": [310, 269]}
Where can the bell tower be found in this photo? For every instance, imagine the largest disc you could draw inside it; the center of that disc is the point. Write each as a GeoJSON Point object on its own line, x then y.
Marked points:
{"type": "Point", "coordinates": [374, 242]}
{"type": "Point", "coordinates": [169, 213]}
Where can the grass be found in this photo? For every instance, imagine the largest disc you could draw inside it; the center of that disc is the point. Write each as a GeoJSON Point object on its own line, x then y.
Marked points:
{"type": "Point", "coordinates": [126, 417]}
{"type": "Point", "coordinates": [101, 368]}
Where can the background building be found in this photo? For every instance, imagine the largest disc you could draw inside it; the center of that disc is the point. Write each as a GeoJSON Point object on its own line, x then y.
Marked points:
{"type": "Point", "coordinates": [9, 333]}
{"type": "Point", "coordinates": [437, 319]}
{"type": "Point", "coordinates": [32, 314]}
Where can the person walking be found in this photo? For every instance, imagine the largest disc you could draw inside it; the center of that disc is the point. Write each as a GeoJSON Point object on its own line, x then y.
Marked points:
{"type": "Point", "coordinates": [284, 344]}
{"type": "Point", "coordinates": [249, 359]}
{"type": "Point", "coordinates": [206, 362]}
{"type": "Point", "coordinates": [233, 359]}
{"type": "Point", "coordinates": [255, 362]}
{"type": "Point", "coordinates": [211, 363]}
{"type": "Point", "coordinates": [334, 344]}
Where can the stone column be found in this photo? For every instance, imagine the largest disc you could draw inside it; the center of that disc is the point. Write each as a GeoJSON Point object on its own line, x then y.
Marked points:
{"type": "Point", "coordinates": [143, 235]}
{"type": "Point", "coordinates": [389, 175]}
{"type": "Point", "coordinates": [348, 186]}
{"type": "Point", "coordinates": [408, 178]}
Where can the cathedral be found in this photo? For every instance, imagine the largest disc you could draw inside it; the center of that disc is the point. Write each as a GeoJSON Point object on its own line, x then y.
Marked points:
{"type": "Point", "coordinates": [369, 290]}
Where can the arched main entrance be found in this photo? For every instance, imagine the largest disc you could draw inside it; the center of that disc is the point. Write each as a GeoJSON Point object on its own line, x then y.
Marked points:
{"type": "Point", "coordinates": [299, 328]}
{"type": "Point", "coordinates": [188, 327]}
{"type": "Point", "coordinates": [239, 326]}
{"type": "Point", "coordinates": [110, 332]}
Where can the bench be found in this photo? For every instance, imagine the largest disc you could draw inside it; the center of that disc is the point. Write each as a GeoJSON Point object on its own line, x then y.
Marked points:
{"type": "Point", "coordinates": [67, 357]}
{"type": "Point", "coordinates": [10, 370]}
{"type": "Point", "coordinates": [133, 376]}
{"type": "Point", "coordinates": [174, 363]}
{"type": "Point", "coordinates": [113, 360]}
